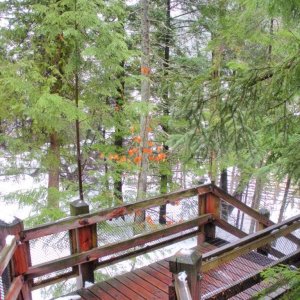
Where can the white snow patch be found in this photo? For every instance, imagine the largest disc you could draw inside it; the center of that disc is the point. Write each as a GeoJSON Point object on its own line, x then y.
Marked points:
{"type": "Point", "coordinates": [73, 297]}
{"type": "Point", "coordinates": [7, 218]}
{"type": "Point", "coordinates": [88, 284]}
{"type": "Point", "coordinates": [9, 239]}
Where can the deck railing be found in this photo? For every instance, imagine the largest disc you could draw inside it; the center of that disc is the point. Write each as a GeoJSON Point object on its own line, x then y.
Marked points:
{"type": "Point", "coordinates": [87, 253]}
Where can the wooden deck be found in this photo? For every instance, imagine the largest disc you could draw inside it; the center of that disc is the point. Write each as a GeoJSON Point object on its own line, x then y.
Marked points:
{"type": "Point", "coordinates": [153, 281]}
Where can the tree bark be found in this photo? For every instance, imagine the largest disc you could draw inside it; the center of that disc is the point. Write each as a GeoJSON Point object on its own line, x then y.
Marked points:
{"type": "Point", "coordinates": [165, 170]}
{"type": "Point", "coordinates": [53, 171]}
{"type": "Point", "coordinates": [284, 200]}
{"type": "Point", "coordinates": [145, 97]}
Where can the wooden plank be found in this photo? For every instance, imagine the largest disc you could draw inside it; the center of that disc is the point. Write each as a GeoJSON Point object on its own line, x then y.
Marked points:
{"type": "Point", "coordinates": [87, 294]}
{"type": "Point", "coordinates": [161, 269]}
{"type": "Point", "coordinates": [124, 289]}
{"type": "Point", "coordinates": [164, 278]}
{"type": "Point", "coordinates": [228, 252]}
{"type": "Point", "coordinates": [136, 287]}
{"type": "Point", "coordinates": [7, 253]}
{"type": "Point", "coordinates": [154, 281]}
{"type": "Point", "coordinates": [15, 288]}
{"type": "Point", "coordinates": [111, 291]}
{"type": "Point", "coordinates": [101, 294]}
{"type": "Point", "coordinates": [159, 294]}
{"type": "Point", "coordinates": [93, 254]}
{"type": "Point", "coordinates": [107, 214]}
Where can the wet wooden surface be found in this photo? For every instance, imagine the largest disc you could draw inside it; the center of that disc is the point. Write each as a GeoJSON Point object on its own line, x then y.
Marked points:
{"type": "Point", "coordinates": [153, 281]}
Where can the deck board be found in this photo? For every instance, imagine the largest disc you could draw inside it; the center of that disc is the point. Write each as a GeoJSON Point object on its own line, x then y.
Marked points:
{"type": "Point", "coordinates": [152, 282]}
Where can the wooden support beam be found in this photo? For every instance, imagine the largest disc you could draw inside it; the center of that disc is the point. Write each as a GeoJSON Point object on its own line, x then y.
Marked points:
{"type": "Point", "coordinates": [7, 252]}
{"type": "Point", "coordinates": [186, 261]}
{"type": "Point", "coordinates": [107, 214]}
{"type": "Point", "coordinates": [249, 211]}
{"type": "Point", "coordinates": [83, 239]}
{"type": "Point", "coordinates": [96, 253]}
{"type": "Point", "coordinates": [240, 234]}
{"type": "Point", "coordinates": [15, 289]}
{"type": "Point", "coordinates": [228, 252]}
{"type": "Point", "coordinates": [245, 283]}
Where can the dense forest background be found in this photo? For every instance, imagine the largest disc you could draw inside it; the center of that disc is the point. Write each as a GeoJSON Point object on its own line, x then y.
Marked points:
{"type": "Point", "coordinates": [112, 101]}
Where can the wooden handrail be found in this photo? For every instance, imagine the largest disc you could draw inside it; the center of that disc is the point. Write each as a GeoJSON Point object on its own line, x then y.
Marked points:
{"type": "Point", "coordinates": [79, 258]}
{"type": "Point", "coordinates": [107, 214]}
{"type": "Point", "coordinates": [228, 252]}
{"type": "Point", "coordinates": [7, 252]}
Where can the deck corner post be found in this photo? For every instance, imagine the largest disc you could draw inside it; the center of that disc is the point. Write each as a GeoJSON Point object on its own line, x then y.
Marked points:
{"type": "Point", "coordinates": [20, 261]}
{"type": "Point", "coordinates": [209, 204]}
{"type": "Point", "coordinates": [188, 261]}
{"type": "Point", "coordinates": [264, 250]}
{"type": "Point", "coordinates": [83, 239]}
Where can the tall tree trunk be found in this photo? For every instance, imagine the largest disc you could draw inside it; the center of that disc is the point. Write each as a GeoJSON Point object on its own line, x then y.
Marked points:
{"type": "Point", "coordinates": [145, 97]}
{"type": "Point", "coordinates": [224, 187]}
{"type": "Point", "coordinates": [256, 200]}
{"type": "Point", "coordinates": [284, 200]}
{"type": "Point", "coordinates": [165, 169]}
{"type": "Point", "coordinates": [53, 171]}
{"type": "Point", "coordinates": [77, 124]}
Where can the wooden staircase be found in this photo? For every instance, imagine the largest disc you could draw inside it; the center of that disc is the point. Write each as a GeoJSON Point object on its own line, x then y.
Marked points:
{"type": "Point", "coordinates": [221, 270]}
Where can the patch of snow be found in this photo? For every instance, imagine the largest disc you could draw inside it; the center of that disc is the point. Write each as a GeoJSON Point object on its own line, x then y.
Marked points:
{"type": "Point", "coordinates": [182, 276]}
{"type": "Point", "coordinates": [7, 218]}
{"type": "Point", "coordinates": [73, 297]}
{"type": "Point", "coordinates": [88, 284]}
{"type": "Point", "coordinates": [9, 239]}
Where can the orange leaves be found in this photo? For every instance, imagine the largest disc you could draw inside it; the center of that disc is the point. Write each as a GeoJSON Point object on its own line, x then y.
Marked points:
{"type": "Point", "coordinates": [147, 150]}
{"type": "Point", "coordinates": [161, 157]}
{"type": "Point", "coordinates": [133, 151]}
{"type": "Point", "coordinates": [145, 70]}
{"type": "Point", "coordinates": [137, 139]}
{"type": "Point", "coordinates": [149, 220]}
{"type": "Point", "coordinates": [137, 159]}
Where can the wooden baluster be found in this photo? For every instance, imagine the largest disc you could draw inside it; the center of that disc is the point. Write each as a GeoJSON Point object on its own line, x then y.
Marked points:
{"type": "Point", "coordinates": [83, 239]}
{"type": "Point", "coordinates": [188, 261]}
{"type": "Point", "coordinates": [21, 259]}
{"type": "Point", "coordinates": [260, 226]}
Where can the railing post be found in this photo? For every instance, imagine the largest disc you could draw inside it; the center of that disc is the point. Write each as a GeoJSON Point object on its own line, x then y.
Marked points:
{"type": "Point", "coordinates": [83, 239]}
{"type": "Point", "coordinates": [21, 259]}
{"type": "Point", "coordinates": [208, 204]}
{"type": "Point", "coordinates": [259, 226]}
{"type": "Point", "coordinates": [188, 261]}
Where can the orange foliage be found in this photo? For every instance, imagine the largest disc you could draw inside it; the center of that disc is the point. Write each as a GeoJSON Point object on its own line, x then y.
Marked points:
{"type": "Point", "coordinates": [147, 150]}
{"type": "Point", "coordinates": [150, 143]}
{"type": "Point", "coordinates": [113, 156]}
{"type": "Point", "coordinates": [170, 222]}
{"type": "Point", "coordinates": [145, 70]}
{"type": "Point", "coordinates": [137, 139]}
{"type": "Point", "coordinates": [123, 158]}
{"type": "Point", "coordinates": [137, 159]}
{"type": "Point", "coordinates": [161, 156]}
{"type": "Point", "coordinates": [138, 213]}
{"type": "Point", "coordinates": [159, 149]}
{"type": "Point", "coordinates": [132, 151]}
{"type": "Point", "coordinates": [149, 220]}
